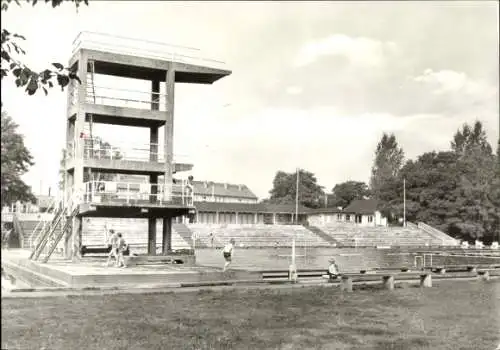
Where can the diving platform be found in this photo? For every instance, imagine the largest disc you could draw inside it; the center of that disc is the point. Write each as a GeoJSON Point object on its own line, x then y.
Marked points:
{"type": "Point", "coordinates": [148, 60]}
{"type": "Point", "coordinates": [134, 210]}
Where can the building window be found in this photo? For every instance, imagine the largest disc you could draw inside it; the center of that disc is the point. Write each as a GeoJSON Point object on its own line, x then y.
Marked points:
{"type": "Point", "coordinates": [339, 217]}
{"type": "Point", "coordinates": [370, 218]}
{"type": "Point", "coordinates": [348, 217]}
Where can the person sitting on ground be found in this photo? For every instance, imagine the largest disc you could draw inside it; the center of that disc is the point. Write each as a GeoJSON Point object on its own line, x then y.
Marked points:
{"type": "Point", "coordinates": [122, 247]}
{"type": "Point", "coordinates": [333, 270]}
{"type": "Point", "coordinates": [113, 247]}
{"type": "Point", "coordinates": [228, 253]}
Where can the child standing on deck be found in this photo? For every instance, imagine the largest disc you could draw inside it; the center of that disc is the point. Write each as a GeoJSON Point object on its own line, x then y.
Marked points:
{"type": "Point", "coordinates": [228, 253]}
{"type": "Point", "coordinates": [122, 247]}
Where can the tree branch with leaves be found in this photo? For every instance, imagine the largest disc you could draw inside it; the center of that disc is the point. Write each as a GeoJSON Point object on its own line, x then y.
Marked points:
{"type": "Point", "coordinates": [26, 77]}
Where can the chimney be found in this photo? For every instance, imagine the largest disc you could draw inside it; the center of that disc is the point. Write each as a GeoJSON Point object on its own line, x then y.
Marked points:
{"type": "Point", "coordinates": [49, 190]}
{"type": "Point", "coordinates": [225, 186]}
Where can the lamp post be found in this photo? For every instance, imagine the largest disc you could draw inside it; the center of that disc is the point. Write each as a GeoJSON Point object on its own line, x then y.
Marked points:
{"type": "Point", "coordinates": [404, 202]}
{"type": "Point", "coordinates": [297, 198]}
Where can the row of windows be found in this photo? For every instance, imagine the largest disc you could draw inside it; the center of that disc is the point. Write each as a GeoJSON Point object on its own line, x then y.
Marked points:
{"type": "Point", "coordinates": [217, 199]}
{"type": "Point", "coordinates": [349, 217]}
{"type": "Point", "coordinates": [245, 218]}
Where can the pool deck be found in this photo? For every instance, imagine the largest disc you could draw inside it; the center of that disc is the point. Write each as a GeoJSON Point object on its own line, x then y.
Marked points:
{"type": "Point", "coordinates": [93, 272]}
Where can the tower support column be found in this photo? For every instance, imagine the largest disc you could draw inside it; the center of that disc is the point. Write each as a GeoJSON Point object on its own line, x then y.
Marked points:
{"type": "Point", "coordinates": [167, 235]}
{"type": "Point", "coordinates": [76, 229]}
{"type": "Point", "coordinates": [169, 133]}
{"type": "Point", "coordinates": [151, 236]}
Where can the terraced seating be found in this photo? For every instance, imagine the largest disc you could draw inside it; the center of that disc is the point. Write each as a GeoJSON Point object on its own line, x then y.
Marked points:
{"type": "Point", "coordinates": [354, 235]}
{"type": "Point", "coordinates": [135, 232]}
{"type": "Point", "coordinates": [27, 236]}
{"type": "Point", "coordinates": [259, 235]}
{"type": "Point", "coordinates": [438, 235]}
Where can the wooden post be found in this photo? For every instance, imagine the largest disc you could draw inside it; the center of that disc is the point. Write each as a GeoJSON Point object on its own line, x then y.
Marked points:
{"type": "Point", "coordinates": [292, 271]}
{"type": "Point", "coordinates": [426, 280]}
{"type": "Point", "coordinates": [388, 282]}
{"type": "Point", "coordinates": [346, 284]}
{"type": "Point", "coordinates": [484, 275]}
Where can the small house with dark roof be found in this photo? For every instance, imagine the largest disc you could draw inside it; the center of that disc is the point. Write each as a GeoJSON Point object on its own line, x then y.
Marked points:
{"type": "Point", "coordinates": [363, 212]}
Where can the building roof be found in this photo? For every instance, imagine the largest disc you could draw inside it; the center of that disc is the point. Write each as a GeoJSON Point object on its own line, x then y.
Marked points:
{"type": "Point", "coordinates": [43, 201]}
{"type": "Point", "coordinates": [249, 207]}
{"type": "Point", "coordinates": [206, 188]}
{"type": "Point", "coordinates": [326, 211]}
{"type": "Point", "coordinates": [362, 206]}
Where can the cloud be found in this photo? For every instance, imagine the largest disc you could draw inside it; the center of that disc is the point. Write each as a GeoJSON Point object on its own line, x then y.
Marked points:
{"type": "Point", "coordinates": [359, 51]}
{"type": "Point", "coordinates": [450, 82]}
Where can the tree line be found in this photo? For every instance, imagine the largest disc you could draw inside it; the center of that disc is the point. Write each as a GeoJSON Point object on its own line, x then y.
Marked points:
{"type": "Point", "coordinates": [455, 190]}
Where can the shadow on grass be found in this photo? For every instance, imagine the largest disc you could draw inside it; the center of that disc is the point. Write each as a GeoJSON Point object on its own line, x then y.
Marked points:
{"type": "Point", "coordinates": [450, 315]}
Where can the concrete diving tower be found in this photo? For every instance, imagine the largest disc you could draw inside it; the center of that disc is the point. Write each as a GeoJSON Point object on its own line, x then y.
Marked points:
{"type": "Point", "coordinates": [91, 165]}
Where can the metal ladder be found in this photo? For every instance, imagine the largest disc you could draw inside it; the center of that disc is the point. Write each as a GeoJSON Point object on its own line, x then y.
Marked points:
{"type": "Point", "coordinates": [42, 224]}
{"type": "Point", "coordinates": [50, 237]}
{"type": "Point", "coordinates": [91, 85]}
{"type": "Point", "coordinates": [56, 237]}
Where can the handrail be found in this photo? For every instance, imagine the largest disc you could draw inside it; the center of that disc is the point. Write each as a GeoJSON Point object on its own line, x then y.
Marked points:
{"type": "Point", "coordinates": [149, 53]}
{"type": "Point", "coordinates": [125, 151]}
{"type": "Point", "coordinates": [184, 191]}
{"type": "Point", "coordinates": [59, 218]}
{"type": "Point", "coordinates": [131, 39]}
{"type": "Point", "coordinates": [42, 223]}
{"type": "Point", "coordinates": [435, 232]}
{"type": "Point", "coordinates": [128, 90]}
{"type": "Point", "coordinates": [146, 48]}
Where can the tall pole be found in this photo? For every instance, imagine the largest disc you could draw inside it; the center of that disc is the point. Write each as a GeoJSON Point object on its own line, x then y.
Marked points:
{"type": "Point", "coordinates": [404, 202]}
{"type": "Point", "coordinates": [297, 198]}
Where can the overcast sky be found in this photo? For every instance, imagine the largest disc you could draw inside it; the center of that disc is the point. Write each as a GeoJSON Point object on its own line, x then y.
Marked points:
{"type": "Point", "coordinates": [314, 84]}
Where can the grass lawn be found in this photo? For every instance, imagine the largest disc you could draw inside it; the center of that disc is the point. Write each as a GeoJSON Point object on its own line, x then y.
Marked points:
{"type": "Point", "coordinates": [451, 315]}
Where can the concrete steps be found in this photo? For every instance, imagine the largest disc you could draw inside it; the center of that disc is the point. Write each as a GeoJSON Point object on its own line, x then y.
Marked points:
{"type": "Point", "coordinates": [323, 235]}
{"type": "Point", "coordinates": [257, 235]}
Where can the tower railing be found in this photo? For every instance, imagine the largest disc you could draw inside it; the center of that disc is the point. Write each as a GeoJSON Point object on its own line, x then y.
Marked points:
{"type": "Point", "coordinates": [96, 148]}
{"type": "Point", "coordinates": [143, 48]}
{"type": "Point", "coordinates": [128, 98]}
{"type": "Point", "coordinates": [115, 192]}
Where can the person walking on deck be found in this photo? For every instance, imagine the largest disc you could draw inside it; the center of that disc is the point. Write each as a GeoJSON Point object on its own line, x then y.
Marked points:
{"type": "Point", "coordinates": [228, 253]}
{"type": "Point", "coordinates": [122, 247]}
{"type": "Point", "coordinates": [113, 246]}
